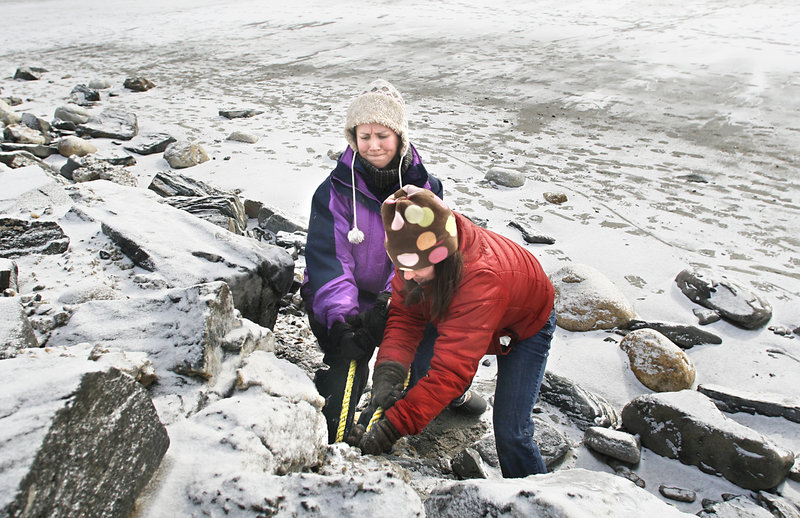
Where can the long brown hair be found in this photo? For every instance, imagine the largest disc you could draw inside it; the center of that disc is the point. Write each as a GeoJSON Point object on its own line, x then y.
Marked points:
{"type": "Point", "coordinates": [447, 275]}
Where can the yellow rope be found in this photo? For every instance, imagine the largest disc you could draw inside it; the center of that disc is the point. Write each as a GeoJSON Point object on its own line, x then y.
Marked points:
{"type": "Point", "coordinates": [379, 411]}
{"type": "Point", "coordinates": [348, 390]}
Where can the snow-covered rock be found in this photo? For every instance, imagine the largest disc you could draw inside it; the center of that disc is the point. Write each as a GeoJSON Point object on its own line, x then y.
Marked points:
{"type": "Point", "coordinates": [687, 426]}
{"type": "Point", "coordinates": [587, 300]}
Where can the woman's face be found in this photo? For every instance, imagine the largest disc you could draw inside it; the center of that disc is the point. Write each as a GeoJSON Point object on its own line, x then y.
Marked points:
{"type": "Point", "coordinates": [377, 143]}
{"type": "Point", "coordinates": [420, 276]}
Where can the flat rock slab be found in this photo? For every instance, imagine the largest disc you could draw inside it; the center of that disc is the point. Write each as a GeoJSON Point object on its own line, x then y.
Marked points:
{"type": "Point", "coordinates": [186, 250]}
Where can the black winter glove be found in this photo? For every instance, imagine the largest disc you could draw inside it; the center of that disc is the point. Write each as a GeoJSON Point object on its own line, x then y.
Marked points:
{"type": "Point", "coordinates": [355, 435]}
{"type": "Point", "coordinates": [388, 383]}
{"type": "Point", "coordinates": [372, 322]}
{"type": "Point", "coordinates": [349, 342]}
{"type": "Point", "coordinates": [380, 438]}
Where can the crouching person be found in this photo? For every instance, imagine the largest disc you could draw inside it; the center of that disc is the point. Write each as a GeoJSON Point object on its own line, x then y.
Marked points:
{"type": "Point", "coordinates": [484, 294]}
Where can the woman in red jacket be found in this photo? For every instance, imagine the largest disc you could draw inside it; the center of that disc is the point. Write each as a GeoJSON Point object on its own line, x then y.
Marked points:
{"type": "Point", "coordinates": [486, 295]}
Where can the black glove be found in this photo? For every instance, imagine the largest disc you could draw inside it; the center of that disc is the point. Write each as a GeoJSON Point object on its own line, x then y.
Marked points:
{"type": "Point", "coordinates": [371, 323]}
{"type": "Point", "coordinates": [388, 383]}
{"type": "Point", "coordinates": [380, 438]}
{"type": "Point", "coordinates": [355, 435]}
{"type": "Point", "coordinates": [349, 342]}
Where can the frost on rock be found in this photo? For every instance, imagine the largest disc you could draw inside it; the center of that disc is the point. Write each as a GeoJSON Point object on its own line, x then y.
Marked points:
{"type": "Point", "coordinates": [570, 493]}
{"type": "Point", "coordinates": [78, 439]}
{"type": "Point", "coordinates": [687, 426]}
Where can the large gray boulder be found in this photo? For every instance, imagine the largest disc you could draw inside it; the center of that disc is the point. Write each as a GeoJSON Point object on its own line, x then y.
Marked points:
{"type": "Point", "coordinates": [184, 331]}
{"type": "Point", "coordinates": [111, 123]}
{"type": "Point", "coordinates": [587, 300]}
{"type": "Point", "coordinates": [185, 250]}
{"type": "Point", "coordinates": [563, 494]}
{"type": "Point", "coordinates": [687, 426]}
{"type": "Point", "coordinates": [77, 439]}
{"type": "Point", "coordinates": [270, 425]}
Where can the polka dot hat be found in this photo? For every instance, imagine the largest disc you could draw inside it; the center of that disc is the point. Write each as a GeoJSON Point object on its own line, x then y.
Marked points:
{"type": "Point", "coordinates": [420, 228]}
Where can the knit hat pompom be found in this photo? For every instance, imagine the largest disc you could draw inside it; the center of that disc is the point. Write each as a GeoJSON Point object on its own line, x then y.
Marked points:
{"type": "Point", "coordinates": [380, 103]}
{"type": "Point", "coordinates": [420, 228]}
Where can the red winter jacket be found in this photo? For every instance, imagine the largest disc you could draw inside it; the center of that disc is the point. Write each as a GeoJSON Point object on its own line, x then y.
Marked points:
{"type": "Point", "coordinates": [503, 292]}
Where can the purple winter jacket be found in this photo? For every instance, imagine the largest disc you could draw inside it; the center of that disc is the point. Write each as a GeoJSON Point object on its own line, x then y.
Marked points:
{"type": "Point", "coordinates": [341, 278]}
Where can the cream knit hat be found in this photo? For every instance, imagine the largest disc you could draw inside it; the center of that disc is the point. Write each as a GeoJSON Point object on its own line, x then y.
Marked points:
{"type": "Point", "coordinates": [380, 103]}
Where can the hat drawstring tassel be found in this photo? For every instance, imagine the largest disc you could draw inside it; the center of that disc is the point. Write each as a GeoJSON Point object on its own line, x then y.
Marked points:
{"type": "Point", "coordinates": [400, 173]}
{"type": "Point", "coordinates": [355, 236]}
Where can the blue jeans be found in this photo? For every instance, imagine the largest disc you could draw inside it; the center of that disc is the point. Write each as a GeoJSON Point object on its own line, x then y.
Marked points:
{"type": "Point", "coordinates": [519, 377]}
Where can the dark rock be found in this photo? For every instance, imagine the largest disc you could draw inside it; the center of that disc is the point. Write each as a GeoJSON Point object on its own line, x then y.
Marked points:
{"type": "Point", "coordinates": [529, 236]}
{"type": "Point", "coordinates": [29, 73]}
{"type": "Point", "coordinates": [706, 316]}
{"type": "Point", "coordinates": [687, 426]}
{"type": "Point", "coordinates": [35, 123]}
{"type": "Point", "coordinates": [81, 443]}
{"type": "Point", "coordinates": [169, 183]}
{"type": "Point", "coordinates": [138, 84]}
{"type": "Point", "coordinates": [16, 332]}
{"type": "Point", "coordinates": [781, 331]}
{"type": "Point", "coordinates": [17, 159]}
{"type": "Point", "coordinates": [694, 177]}
{"type": "Point", "coordinates": [274, 222]}
{"type": "Point", "coordinates": [735, 506]}
{"type": "Point", "coordinates": [111, 123]}
{"type": "Point", "coordinates": [734, 302]}
{"type": "Point", "coordinates": [252, 208]}
{"type": "Point", "coordinates": [779, 506]}
{"type": "Point", "coordinates": [683, 336]}
{"type": "Point", "coordinates": [222, 208]}
{"type": "Point", "coordinates": [19, 237]}
{"type": "Point", "coordinates": [8, 275]}
{"type": "Point", "coordinates": [72, 113]}
{"type": "Point", "coordinates": [585, 408]}
{"type": "Point", "coordinates": [556, 198]}
{"type": "Point", "coordinates": [773, 405]}
{"type": "Point", "coordinates": [37, 150]}
{"type": "Point", "coordinates": [12, 100]}
{"type": "Point", "coordinates": [677, 494]}
{"type": "Point", "coordinates": [613, 443]}
{"type": "Point", "coordinates": [624, 471]}
{"type": "Point", "coordinates": [239, 114]}
{"type": "Point", "coordinates": [487, 448]}
{"type": "Point", "coordinates": [552, 444]}
{"type": "Point", "coordinates": [116, 158]}
{"type": "Point", "coordinates": [505, 177]}
{"type": "Point", "coordinates": [468, 464]}
{"type": "Point", "coordinates": [82, 95]}
{"type": "Point", "coordinates": [149, 143]}
{"type": "Point", "coordinates": [225, 211]}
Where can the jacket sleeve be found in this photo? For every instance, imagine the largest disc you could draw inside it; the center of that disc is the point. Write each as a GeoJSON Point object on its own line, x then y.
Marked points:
{"type": "Point", "coordinates": [329, 258]}
{"type": "Point", "coordinates": [464, 337]}
{"type": "Point", "coordinates": [404, 328]}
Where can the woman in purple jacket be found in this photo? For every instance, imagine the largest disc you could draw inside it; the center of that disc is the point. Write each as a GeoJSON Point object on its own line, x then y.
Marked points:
{"type": "Point", "coordinates": [348, 274]}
